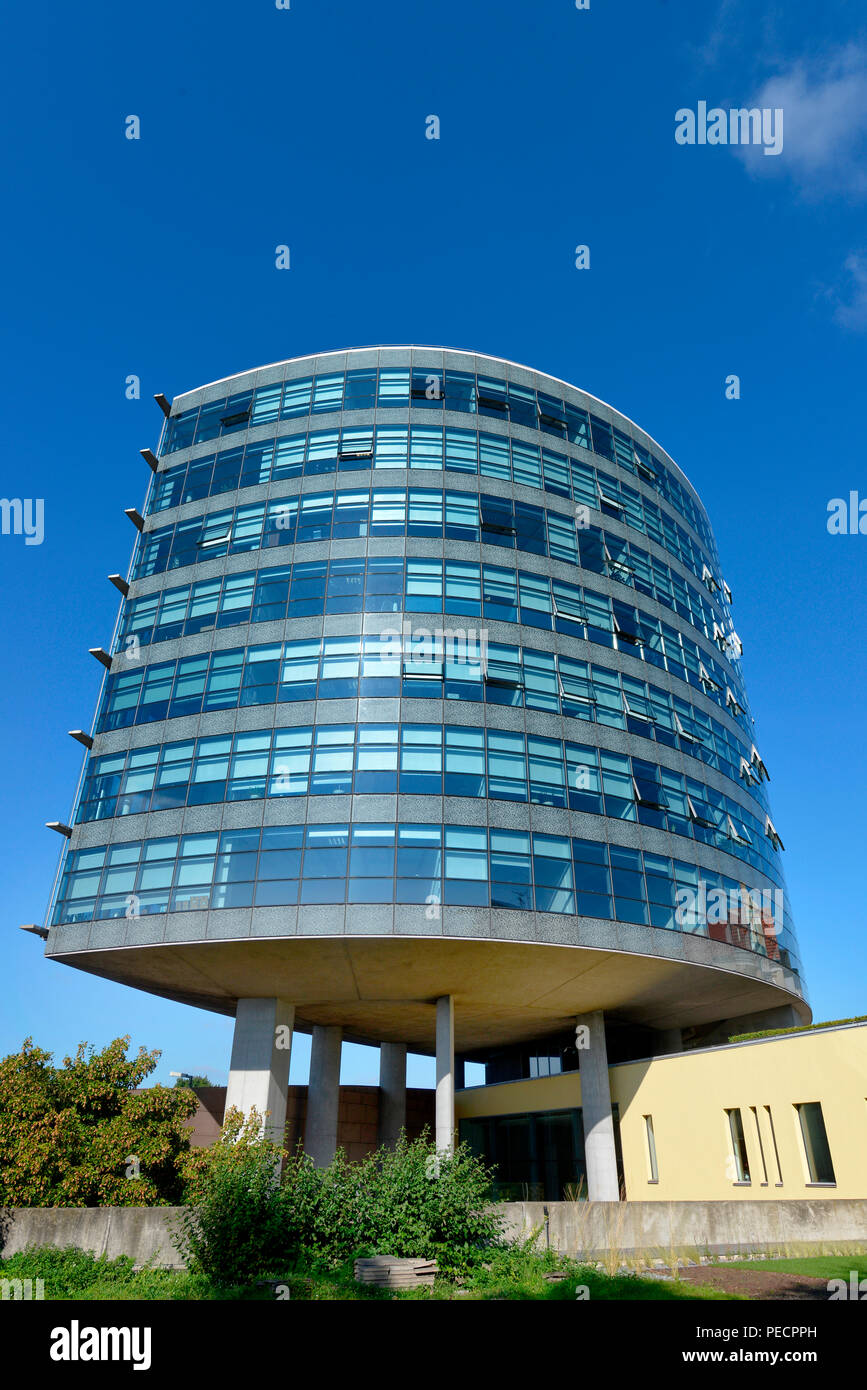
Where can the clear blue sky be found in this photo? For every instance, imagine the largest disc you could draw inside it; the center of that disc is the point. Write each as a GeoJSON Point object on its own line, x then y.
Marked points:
{"type": "Point", "coordinates": [307, 127]}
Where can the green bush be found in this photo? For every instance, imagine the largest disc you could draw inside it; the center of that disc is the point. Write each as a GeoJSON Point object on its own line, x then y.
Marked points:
{"type": "Point", "coordinates": [87, 1134]}
{"type": "Point", "coordinates": [406, 1200]}
{"type": "Point", "coordinates": [234, 1226]}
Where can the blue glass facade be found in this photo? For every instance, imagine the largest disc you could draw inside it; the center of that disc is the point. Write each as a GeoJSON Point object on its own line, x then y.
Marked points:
{"type": "Point", "coordinates": [255, 672]}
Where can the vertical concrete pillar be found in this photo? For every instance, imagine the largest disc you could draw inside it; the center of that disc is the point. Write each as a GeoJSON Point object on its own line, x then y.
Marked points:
{"type": "Point", "coordinates": [445, 1099]}
{"type": "Point", "coordinates": [323, 1095]}
{"type": "Point", "coordinates": [599, 1153]}
{"type": "Point", "coordinates": [392, 1092]}
{"type": "Point", "coordinates": [259, 1069]}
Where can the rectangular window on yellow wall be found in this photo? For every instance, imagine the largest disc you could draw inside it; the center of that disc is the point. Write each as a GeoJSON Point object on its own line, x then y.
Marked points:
{"type": "Point", "coordinates": [739, 1146]}
{"type": "Point", "coordinates": [652, 1167]}
{"type": "Point", "coordinates": [779, 1181]}
{"type": "Point", "coordinates": [816, 1148]}
{"type": "Point", "coordinates": [755, 1115]}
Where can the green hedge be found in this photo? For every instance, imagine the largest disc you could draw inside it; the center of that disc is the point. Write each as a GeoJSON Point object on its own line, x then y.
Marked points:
{"type": "Point", "coordinates": [804, 1028]}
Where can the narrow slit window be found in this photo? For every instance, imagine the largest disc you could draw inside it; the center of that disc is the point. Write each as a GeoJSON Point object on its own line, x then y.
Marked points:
{"type": "Point", "coordinates": [653, 1167]}
{"type": "Point", "coordinates": [816, 1148]}
{"type": "Point", "coordinates": [755, 1114]}
{"type": "Point", "coordinates": [739, 1146]}
{"type": "Point", "coordinates": [774, 1142]}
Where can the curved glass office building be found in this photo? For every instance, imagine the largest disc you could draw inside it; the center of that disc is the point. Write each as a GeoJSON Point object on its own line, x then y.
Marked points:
{"type": "Point", "coordinates": [425, 725]}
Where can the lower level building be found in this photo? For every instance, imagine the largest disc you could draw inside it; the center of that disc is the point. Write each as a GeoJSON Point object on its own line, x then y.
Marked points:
{"type": "Point", "coordinates": [780, 1117]}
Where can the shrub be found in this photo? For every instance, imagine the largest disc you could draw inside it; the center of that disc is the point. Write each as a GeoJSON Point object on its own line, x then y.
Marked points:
{"type": "Point", "coordinates": [68, 1134]}
{"type": "Point", "coordinates": [234, 1227]}
{"type": "Point", "coordinates": [405, 1201]}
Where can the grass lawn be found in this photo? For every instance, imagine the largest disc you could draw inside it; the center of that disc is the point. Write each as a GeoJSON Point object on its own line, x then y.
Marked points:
{"type": "Point", "coordinates": [74, 1274]}
{"type": "Point", "coordinates": [817, 1266]}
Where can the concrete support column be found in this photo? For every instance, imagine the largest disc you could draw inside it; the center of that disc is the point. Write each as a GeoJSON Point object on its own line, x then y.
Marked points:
{"type": "Point", "coordinates": [445, 1099]}
{"type": "Point", "coordinates": [392, 1092]}
{"type": "Point", "coordinates": [259, 1070]}
{"type": "Point", "coordinates": [323, 1095]}
{"type": "Point", "coordinates": [599, 1153]}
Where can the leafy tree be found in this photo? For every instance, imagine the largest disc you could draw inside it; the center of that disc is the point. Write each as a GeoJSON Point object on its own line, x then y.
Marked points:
{"type": "Point", "coordinates": [195, 1083]}
{"type": "Point", "coordinates": [84, 1135]}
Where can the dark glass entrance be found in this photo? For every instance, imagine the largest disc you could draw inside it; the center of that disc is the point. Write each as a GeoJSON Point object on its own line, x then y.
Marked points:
{"type": "Point", "coordinates": [539, 1157]}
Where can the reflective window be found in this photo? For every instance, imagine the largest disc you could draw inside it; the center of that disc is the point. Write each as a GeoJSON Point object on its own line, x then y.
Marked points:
{"type": "Point", "coordinates": [462, 392]}
{"type": "Point", "coordinates": [383, 862]}
{"type": "Point", "coordinates": [416, 759]}
{"type": "Point", "coordinates": [432, 449]}
{"type": "Point", "coordinates": [426, 512]}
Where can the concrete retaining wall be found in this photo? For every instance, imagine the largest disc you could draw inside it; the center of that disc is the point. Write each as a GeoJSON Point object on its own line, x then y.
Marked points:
{"type": "Point", "coordinates": [573, 1228]}
{"type": "Point", "coordinates": [142, 1232]}
{"type": "Point", "coordinates": [576, 1228]}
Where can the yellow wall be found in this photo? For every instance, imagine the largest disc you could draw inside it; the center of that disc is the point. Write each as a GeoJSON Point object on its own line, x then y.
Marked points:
{"type": "Point", "coordinates": [688, 1094]}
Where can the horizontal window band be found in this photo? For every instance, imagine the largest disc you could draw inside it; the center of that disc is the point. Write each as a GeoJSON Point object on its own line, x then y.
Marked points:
{"type": "Point", "coordinates": [588, 437]}
{"type": "Point", "coordinates": [427, 864]}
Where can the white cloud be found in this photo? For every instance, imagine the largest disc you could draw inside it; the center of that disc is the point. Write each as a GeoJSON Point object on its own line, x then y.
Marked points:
{"type": "Point", "coordinates": [824, 102]}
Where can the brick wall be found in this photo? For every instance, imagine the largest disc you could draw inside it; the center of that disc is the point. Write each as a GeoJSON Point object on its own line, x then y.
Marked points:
{"type": "Point", "coordinates": [357, 1117]}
